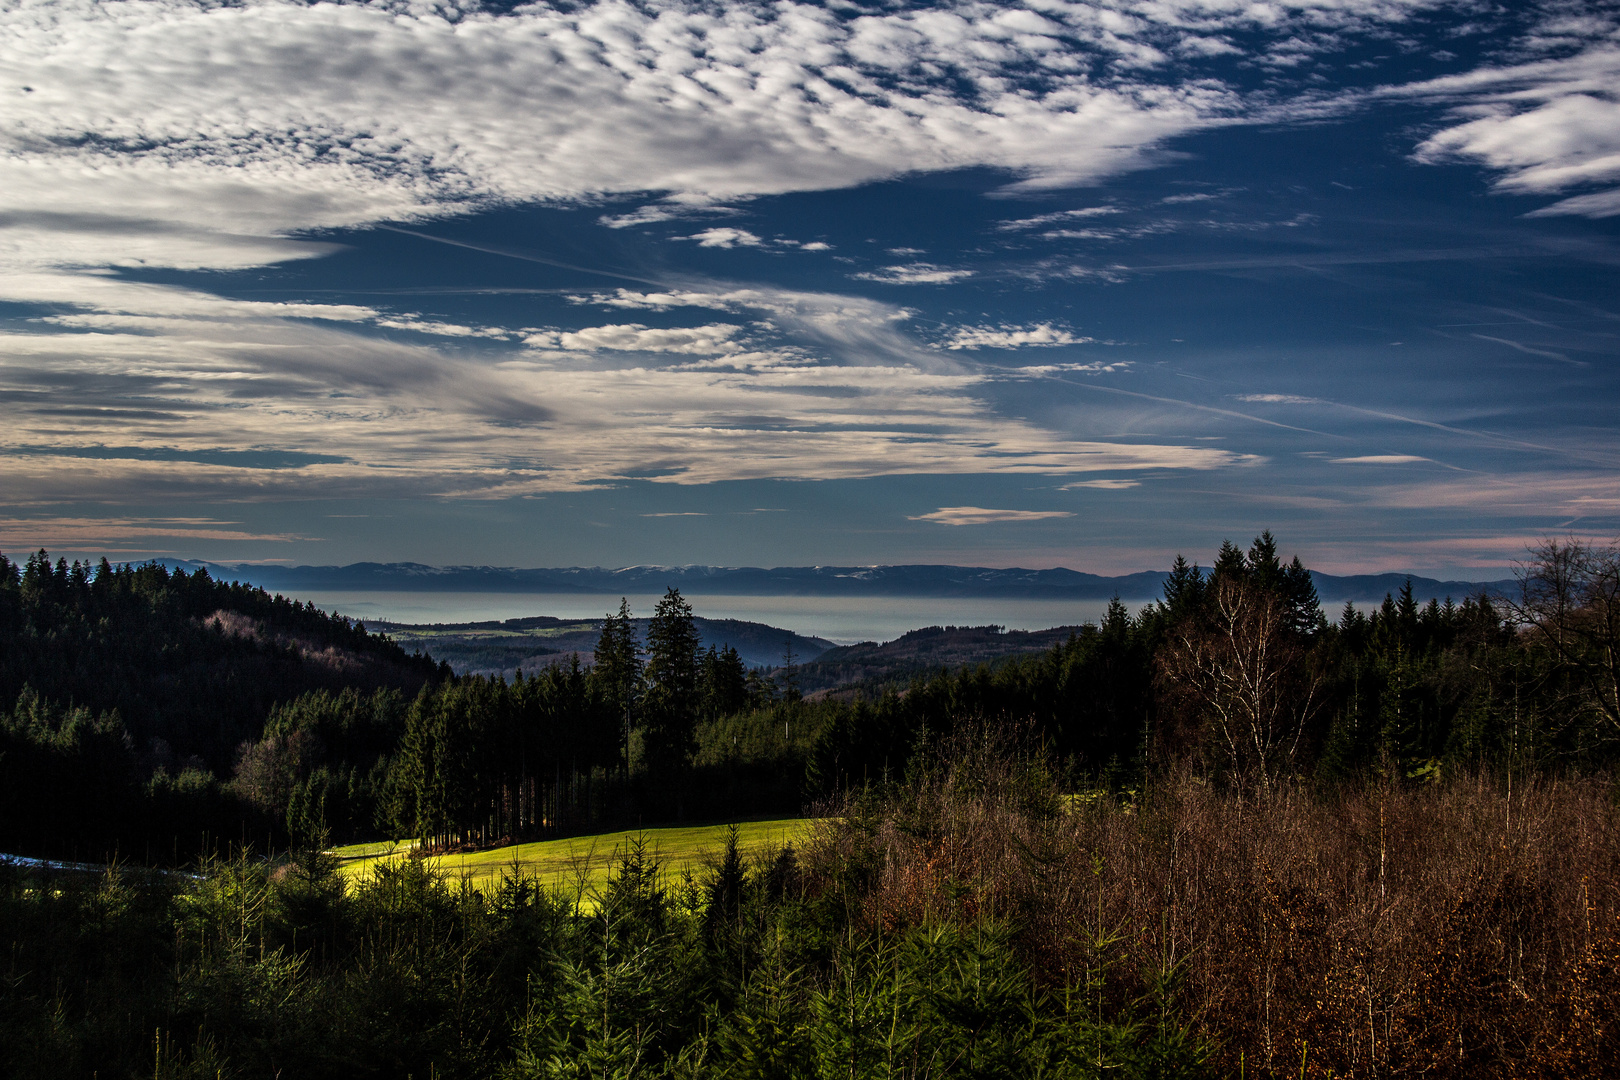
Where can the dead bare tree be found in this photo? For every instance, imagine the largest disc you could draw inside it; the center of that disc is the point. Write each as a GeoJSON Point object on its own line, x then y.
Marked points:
{"type": "Point", "coordinates": [1247, 676]}
{"type": "Point", "coordinates": [1569, 603]}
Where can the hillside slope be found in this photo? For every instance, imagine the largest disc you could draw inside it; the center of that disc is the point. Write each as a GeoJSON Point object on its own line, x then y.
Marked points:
{"type": "Point", "coordinates": [502, 647]}
{"type": "Point", "coordinates": [923, 651]}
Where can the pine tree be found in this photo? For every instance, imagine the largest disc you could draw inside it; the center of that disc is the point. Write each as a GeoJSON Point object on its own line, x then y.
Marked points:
{"type": "Point", "coordinates": [1299, 597]}
{"type": "Point", "coordinates": [1183, 590]}
{"type": "Point", "coordinates": [617, 672]}
{"type": "Point", "coordinates": [723, 683]}
{"type": "Point", "coordinates": [670, 709]}
{"type": "Point", "coordinates": [1263, 566]}
{"type": "Point", "coordinates": [1229, 564]}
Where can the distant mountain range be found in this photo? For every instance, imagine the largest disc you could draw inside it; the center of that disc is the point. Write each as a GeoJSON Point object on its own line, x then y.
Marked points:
{"type": "Point", "coordinates": [853, 581]}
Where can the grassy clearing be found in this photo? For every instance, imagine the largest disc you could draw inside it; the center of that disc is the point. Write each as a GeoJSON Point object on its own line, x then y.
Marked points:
{"type": "Point", "coordinates": [459, 633]}
{"type": "Point", "coordinates": [586, 861]}
{"type": "Point", "coordinates": [370, 851]}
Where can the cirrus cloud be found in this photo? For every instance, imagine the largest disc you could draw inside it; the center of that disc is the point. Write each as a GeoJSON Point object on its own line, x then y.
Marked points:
{"type": "Point", "coordinates": [919, 273]}
{"type": "Point", "coordinates": [978, 515]}
{"type": "Point", "coordinates": [1545, 125]}
{"type": "Point", "coordinates": [634, 337]}
{"type": "Point", "coordinates": [1040, 335]}
{"type": "Point", "coordinates": [157, 134]}
{"type": "Point", "coordinates": [1379, 459]}
{"type": "Point", "coordinates": [181, 133]}
{"type": "Point", "coordinates": [725, 237]}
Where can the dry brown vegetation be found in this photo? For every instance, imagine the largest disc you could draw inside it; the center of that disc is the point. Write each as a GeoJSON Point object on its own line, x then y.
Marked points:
{"type": "Point", "coordinates": [1467, 927]}
{"type": "Point", "coordinates": [338, 660]}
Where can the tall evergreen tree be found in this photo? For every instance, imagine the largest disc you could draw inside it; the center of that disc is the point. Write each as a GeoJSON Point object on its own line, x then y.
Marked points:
{"type": "Point", "coordinates": [1183, 590]}
{"type": "Point", "coordinates": [1229, 564]}
{"type": "Point", "coordinates": [617, 672]}
{"type": "Point", "coordinates": [723, 683]}
{"type": "Point", "coordinates": [1263, 564]}
{"type": "Point", "coordinates": [670, 712]}
{"type": "Point", "coordinates": [1304, 608]}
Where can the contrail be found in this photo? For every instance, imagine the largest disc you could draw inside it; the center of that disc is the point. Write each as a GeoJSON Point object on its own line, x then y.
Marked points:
{"type": "Point", "coordinates": [542, 260]}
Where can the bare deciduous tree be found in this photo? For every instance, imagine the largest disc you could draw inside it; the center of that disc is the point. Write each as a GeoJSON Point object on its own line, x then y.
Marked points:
{"type": "Point", "coordinates": [1569, 603]}
{"type": "Point", "coordinates": [1247, 675]}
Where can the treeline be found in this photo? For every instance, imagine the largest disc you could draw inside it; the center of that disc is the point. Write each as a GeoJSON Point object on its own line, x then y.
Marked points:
{"type": "Point", "coordinates": [483, 758]}
{"type": "Point", "coordinates": [1236, 671]}
{"type": "Point", "coordinates": [171, 706]}
{"type": "Point", "coordinates": [128, 692]}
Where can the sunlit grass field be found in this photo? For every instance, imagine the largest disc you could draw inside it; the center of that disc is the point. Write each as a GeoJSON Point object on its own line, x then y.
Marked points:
{"type": "Point", "coordinates": [584, 863]}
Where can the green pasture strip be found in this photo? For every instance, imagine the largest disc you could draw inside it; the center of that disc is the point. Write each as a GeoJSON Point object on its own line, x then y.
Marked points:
{"type": "Point", "coordinates": [496, 633]}
{"type": "Point", "coordinates": [586, 862]}
{"type": "Point", "coordinates": [372, 850]}
{"type": "Point", "coordinates": [559, 631]}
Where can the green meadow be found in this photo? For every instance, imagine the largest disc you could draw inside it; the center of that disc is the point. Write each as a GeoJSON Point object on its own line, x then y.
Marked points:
{"type": "Point", "coordinates": [584, 863]}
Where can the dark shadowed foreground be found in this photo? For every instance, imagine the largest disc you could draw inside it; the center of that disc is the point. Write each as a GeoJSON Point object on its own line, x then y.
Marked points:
{"type": "Point", "coordinates": [973, 922]}
{"type": "Point", "coordinates": [1468, 927]}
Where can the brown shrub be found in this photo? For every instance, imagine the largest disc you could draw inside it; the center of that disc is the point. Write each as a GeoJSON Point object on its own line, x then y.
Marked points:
{"type": "Point", "coordinates": [338, 660]}
{"type": "Point", "coordinates": [1456, 929]}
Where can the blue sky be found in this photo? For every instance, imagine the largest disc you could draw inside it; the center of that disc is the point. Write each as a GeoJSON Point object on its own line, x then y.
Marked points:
{"type": "Point", "coordinates": [1080, 284]}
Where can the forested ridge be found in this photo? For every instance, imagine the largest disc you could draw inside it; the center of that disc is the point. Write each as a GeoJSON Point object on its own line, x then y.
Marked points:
{"type": "Point", "coordinates": [130, 691]}
{"type": "Point", "coordinates": [144, 696]}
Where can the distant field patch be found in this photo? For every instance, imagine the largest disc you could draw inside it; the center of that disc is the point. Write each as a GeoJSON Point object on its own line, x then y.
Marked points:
{"type": "Point", "coordinates": [586, 862]}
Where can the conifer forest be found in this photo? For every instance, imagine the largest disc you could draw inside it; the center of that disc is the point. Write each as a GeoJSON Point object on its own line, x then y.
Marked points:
{"type": "Point", "coordinates": [1226, 834]}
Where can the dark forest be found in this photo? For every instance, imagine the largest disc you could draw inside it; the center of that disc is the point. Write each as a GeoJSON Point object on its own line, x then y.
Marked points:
{"type": "Point", "coordinates": [1056, 864]}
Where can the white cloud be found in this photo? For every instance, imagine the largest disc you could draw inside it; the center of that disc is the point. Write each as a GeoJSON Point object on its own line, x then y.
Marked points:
{"type": "Point", "coordinates": [978, 515]}
{"type": "Point", "coordinates": [1597, 204]}
{"type": "Point", "coordinates": [1094, 367]}
{"type": "Point", "coordinates": [175, 133]}
{"type": "Point", "coordinates": [178, 133]}
{"type": "Point", "coordinates": [725, 237]}
{"type": "Point", "coordinates": [1012, 337]}
{"type": "Point", "coordinates": [1102, 485]}
{"type": "Point", "coordinates": [634, 337]}
{"type": "Point", "coordinates": [111, 295]}
{"type": "Point", "coordinates": [1570, 140]}
{"type": "Point", "coordinates": [166, 133]}
{"type": "Point", "coordinates": [646, 215]}
{"type": "Point", "coordinates": [92, 533]}
{"type": "Point", "coordinates": [915, 274]}
{"type": "Point", "coordinates": [1545, 126]}
{"type": "Point", "coordinates": [815, 245]}
{"type": "Point", "coordinates": [680, 206]}
{"type": "Point", "coordinates": [193, 134]}
{"type": "Point", "coordinates": [853, 329]}
{"type": "Point", "coordinates": [344, 412]}
{"type": "Point", "coordinates": [662, 301]}
{"type": "Point", "coordinates": [1378, 459]}
{"type": "Point", "coordinates": [1061, 215]}
{"type": "Point", "coordinates": [441, 329]}
{"type": "Point", "coordinates": [1279, 399]}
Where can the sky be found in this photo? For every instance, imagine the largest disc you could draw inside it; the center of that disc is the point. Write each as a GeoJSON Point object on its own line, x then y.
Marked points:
{"type": "Point", "coordinates": [1018, 284]}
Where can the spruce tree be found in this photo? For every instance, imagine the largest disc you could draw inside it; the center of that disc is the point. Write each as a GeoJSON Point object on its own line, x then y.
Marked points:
{"type": "Point", "coordinates": [670, 710]}
{"type": "Point", "coordinates": [617, 672]}
{"type": "Point", "coordinates": [1229, 564]}
{"type": "Point", "coordinates": [1183, 590]}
